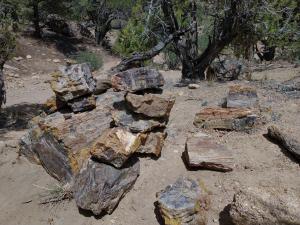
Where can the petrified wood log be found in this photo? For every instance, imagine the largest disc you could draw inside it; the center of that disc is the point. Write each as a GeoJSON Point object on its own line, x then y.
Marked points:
{"type": "Point", "coordinates": [242, 96]}
{"type": "Point", "coordinates": [183, 203]}
{"type": "Point", "coordinates": [153, 144]}
{"type": "Point", "coordinates": [137, 79]}
{"type": "Point", "coordinates": [203, 153]}
{"type": "Point", "coordinates": [290, 144]}
{"type": "Point", "coordinates": [238, 119]}
{"type": "Point", "coordinates": [262, 206]}
{"type": "Point", "coordinates": [99, 187]}
{"type": "Point", "coordinates": [82, 104]}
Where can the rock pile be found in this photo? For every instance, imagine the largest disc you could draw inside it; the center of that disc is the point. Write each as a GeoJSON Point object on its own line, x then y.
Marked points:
{"type": "Point", "coordinates": [91, 141]}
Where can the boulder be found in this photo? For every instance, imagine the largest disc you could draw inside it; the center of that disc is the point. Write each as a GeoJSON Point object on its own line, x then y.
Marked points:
{"type": "Point", "coordinates": [183, 203]}
{"type": "Point", "coordinates": [202, 152]}
{"type": "Point", "coordinates": [115, 146]}
{"type": "Point", "coordinates": [62, 144]}
{"type": "Point", "coordinates": [54, 104]}
{"type": "Point", "coordinates": [137, 79]}
{"type": "Point", "coordinates": [135, 123]}
{"type": "Point", "coordinates": [266, 206]}
{"type": "Point", "coordinates": [99, 187]}
{"type": "Point", "coordinates": [227, 69]}
{"type": "Point", "coordinates": [102, 85]}
{"type": "Point", "coordinates": [238, 119]}
{"type": "Point", "coordinates": [242, 96]}
{"type": "Point", "coordinates": [150, 105]}
{"type": "Point", "coordinates": [82, 104]}
{"type": "Point", "coordinates": [153, 144]}
{"type": "Point", "coordinates": [73, 81]}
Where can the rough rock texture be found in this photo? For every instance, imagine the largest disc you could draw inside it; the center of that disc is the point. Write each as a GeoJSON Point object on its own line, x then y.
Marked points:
{"type": "Point", "coordinates": [150, 105]}
{"type": "Point", "coordinates": [266, 206]}
{"type": "Point", "coordinates": [204, 153]}
{"type": "Point", "coordinates": [226, 118]}
{"type": "Point", "coordinates": [82, 104]}
{"type": "Point", "coordinates": [62, 145]}
{"type": "Point", "coordinates": [242, 96]}
{"type": "Point", "coordinates": [102, 85]}
{"type": "Point", "coordinates": [227, 70]}
{"type": "Point", "coordinates": [115, 146]}
{"type": "Point", "coordinates": [73, 81]}
{"type": "Point", "coordinates": [183, 203]}
{"type": "Point", "coordinates": [135, 123]}
{"type": "Point", "coordinates": [137, 79]}
{"type": "Point", "coordinates": [99, 187]}
{"type": "Point", "coordinates": [54, 104]}
{"type": "Point", "coordinates": [153, 144]}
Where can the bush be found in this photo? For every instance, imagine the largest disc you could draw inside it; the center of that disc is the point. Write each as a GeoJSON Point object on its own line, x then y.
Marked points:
{"type": "Point", "coordinates": [91, 58]}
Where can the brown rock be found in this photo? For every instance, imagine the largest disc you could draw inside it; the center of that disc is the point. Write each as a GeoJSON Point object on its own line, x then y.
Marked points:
{"type": "Point", "coordinates": [137, 79]}
{"type": "Point", "coordinates": [226, 118]}
{"type": "Point", "coordinates": [115, 146]}
{"type": "Point", "coordinates": [61, 145]}
{"type": "Point", "coordinates": [203, 153]}
{"type": "Point", "coordinates": [82, 104]}
{"type": "Point", "coordinates": [102, 85]}
{"type": "Point", "coordinates": [266, 206]}
{"type": "Point", "coordinates": [150, 105]}
{"type": "Point", "coordinates": [153, 144]}
{"type": "Point", "coordinates": [242, 96]}
{"type": "Point", "coordinates": [54, 104]}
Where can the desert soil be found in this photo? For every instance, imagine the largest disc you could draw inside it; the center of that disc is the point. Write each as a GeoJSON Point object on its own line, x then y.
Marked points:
{"type": "Point", "coordinates": [258, 162]}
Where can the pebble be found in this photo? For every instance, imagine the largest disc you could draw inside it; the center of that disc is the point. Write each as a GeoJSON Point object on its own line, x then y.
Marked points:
{"type": "Point", "coordinates": [28, 57]}
{"type": "Point", "coordinates": [18, 58]}
{"type": "Point", "coordinates": [194, 86]}
{"type": "Point", "coordinates": [56, 60]}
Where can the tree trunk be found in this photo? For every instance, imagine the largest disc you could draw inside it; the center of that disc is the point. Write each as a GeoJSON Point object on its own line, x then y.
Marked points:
{"type": "Point", "coordinates": [36, 18]}
{"type": "Point", "coordinates": [2, 87]}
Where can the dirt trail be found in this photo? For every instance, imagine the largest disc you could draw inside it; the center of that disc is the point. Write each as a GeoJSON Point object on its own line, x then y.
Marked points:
{"type": "Point", "coordinates": [257, 160]}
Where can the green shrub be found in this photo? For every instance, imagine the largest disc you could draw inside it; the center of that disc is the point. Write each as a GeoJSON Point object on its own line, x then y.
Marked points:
{"type": "Point", "coordinates": [91, 58]}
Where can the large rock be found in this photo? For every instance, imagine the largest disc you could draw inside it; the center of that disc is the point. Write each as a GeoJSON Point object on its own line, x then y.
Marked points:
{"type": "Point", "coordinates": [150, 105]}
{"type": "Point", "coordinates": [72, 82]}
{"type": "Point", "coordinates": [137, 79]}
{"type": "Point", "coordinates": [115, 146]}
{"type": "Point", "coordinates": [54, 104]}
{"type": "Point", "coordinates": [183, 203]}
{"type": "Point", "coordinates": [62, 143]}
{"type": "Point", "coordinates": [266, 206]}
{"type": "Point", "coordinates": [242, 96]}
{"type": "Point", "coordinates": [153, 144]}
{"type": "Point", "coordinates": [227, 69]}
{"type": "Point", "coordinates": [204, 153]}
{"type": "Point", "coordinates": [135, 123]}
{"type": "Point", "coordinates": [238, 119]}
{"type": "Point", "coordinates": [102, 85]}
{"type": "Point", "coordinates": [99, 187]}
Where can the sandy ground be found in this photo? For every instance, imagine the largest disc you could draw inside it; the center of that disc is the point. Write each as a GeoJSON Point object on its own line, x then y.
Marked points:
{"type": "Point", "coordinates": [257, 160]}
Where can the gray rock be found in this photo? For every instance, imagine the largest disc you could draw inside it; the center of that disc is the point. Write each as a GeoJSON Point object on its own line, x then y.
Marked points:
{"type": "Point", "coordinates": [137, 79]}
{"type": "Point", "coordinates": [135, 123]}
{"type": "Point", "coordinates": [183, 203]}
{"type": "Point", "coordinates": [73, 81]}
{"type": "Point", "coordinates": [82, 104]}
{"type": "Point", "coordinates": [99, 187]}
{"type": "Point", "coordinates": [102, 85]}
{"type": "Point", "coordinates": [242, 96]}
{"type": "Point", "coordinates": [266, 206]}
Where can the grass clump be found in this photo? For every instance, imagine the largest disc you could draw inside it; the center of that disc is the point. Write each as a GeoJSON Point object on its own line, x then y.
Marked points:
{"type": "Point", "coordinates": [94, 60]}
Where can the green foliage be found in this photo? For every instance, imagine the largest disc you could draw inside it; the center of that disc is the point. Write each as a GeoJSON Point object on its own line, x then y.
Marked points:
{"type": "Point", "coordinates": [91, 58]}
{"type": "Point", "coordinates": [7, 45]}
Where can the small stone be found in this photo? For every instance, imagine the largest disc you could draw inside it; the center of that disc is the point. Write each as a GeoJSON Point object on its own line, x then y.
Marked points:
{"type": "Point", "coordinates": [266, 206]}
{"type": "Point", "coordinates": [238, 119]}
{"type": "Point", "coordinates": [184, 203]}
{"type": "Point", "coordinates": [18, 58]}
{"type": "Point", "coordinates": [242, 96]}
{"type": "Point", "coordinates": [56, 60]}
{"type": "Point", "coordinates": [194, 86]}
{"type": "Point", "coordinates": [203, 153]}
{"type": "Point", "coordinates": [150, 105]}
{"type": "Point", "coordinates": [137, 79]}
{"type": "Point", "coordinates": [28, 57]}
{"type": "Point", "coordinates": [115, 146]}
{"type": "Point", "coordinates": [100, 187]}
{"type": "Point", "coordinates": [153, 144]}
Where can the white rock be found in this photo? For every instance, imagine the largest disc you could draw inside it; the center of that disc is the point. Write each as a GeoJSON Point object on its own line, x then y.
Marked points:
{"type": "Point", "coordinates": [28, 57]}
{"type": "Point", "coordinates": [56, 60]}
{"type": "Point", "coordinates": [194, 86]}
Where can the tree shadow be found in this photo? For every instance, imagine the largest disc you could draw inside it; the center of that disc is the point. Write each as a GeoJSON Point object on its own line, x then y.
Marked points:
{"type": "Point", "coordinates": [224, 216]}
{"type": "Point", "coordinates": [17, 117]}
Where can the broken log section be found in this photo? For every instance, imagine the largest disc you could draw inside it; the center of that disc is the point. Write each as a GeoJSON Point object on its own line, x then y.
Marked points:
{"type": "Point", "coordinates": [290, 144]}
